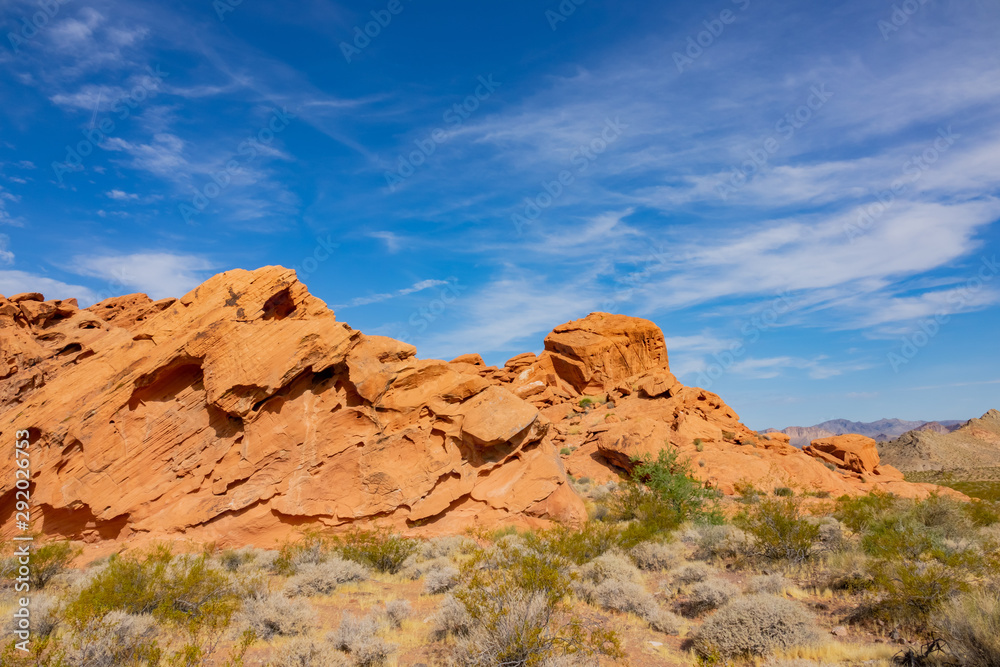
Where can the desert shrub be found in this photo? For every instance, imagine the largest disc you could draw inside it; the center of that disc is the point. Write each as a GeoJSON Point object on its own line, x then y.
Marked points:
{"type": "Point", "coordinates": [234, 559]}
{"type": "Point", "coordinates": [310, 550]}
{"type": "Point", "coordinates": [441, 579]}
{"type": "Point", "coordinates": [898, 537]}
{"type": "Point", "coordinates": [858, 512]}
{"type": "Point", "coordinates": [186, 590]}
{"type": "Point", "coordinates": [982, 513]}
{"type": "Point", "coordinates": [653, 556]}
{"type": "Point", "coordinates": [565, 451]}
{"type": "Point", "coordinates": [779, 532]}
{"type": "Point", "coordinates": [772, 584]}
{"type": "Point", "coordinates": [784, 492]}
{"type": "Point", "coordinates": [910, 592]}
{"type": "Point", "coordinates": [728, 435]}
{"type": "Point", "coordinates": [755, 625]}
{"type": "Point", "coordinates": [451, 619]}
{"type": "Point", "coordinates": [944, 516]}
{"type": "Point", "coordinates": [275, 614]}
{"type": "Point", "coordinates": [395, 612]}
{"type": "Point", "coordinates": [512, 597]}
{"type": "Point", "coordinates": [379, 549]}
{"type": "Point", "coordinates": [44, 610]}
{"type": "Point", "coordinates": [115, 638]}
{"type": "Point", "coordinates": [708, 595]}
{"type": "Point", "coordinates": [970, 623]}
{"type": "Point", "coordinates": [49, 560]}
{"type": "Point", "coordinates": [323, 578]}
{"type": "Point", "coordinates": [660, 496]}
{"type": "Point", "coordinates": [609, 566]}
{"type": "Point", "coordinates": [578, 546]}
{"type": "Point", "coordinates": [691, 573]}
{"type": "Point", "coordinates": [719, 541]}
{"type": "Point", "coordinates": [359, 638]}
{"type": "Point", "coordinates": [699, 445]}
{"type": "Point", "coordinates": [831, 533]}
{"type": "Point", "coordinates": [304, 652]}
{"type": "Point", "coordinates": [445, 547]}
{"type": "Point", "coordinates": [631, 597]}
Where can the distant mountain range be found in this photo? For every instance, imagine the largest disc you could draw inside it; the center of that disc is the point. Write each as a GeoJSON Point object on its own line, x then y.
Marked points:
{"type": "Point", "coordinates": [881, 430]}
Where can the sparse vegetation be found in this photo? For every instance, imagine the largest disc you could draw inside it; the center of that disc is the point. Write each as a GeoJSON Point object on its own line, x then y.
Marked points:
{"type": "Point", "coordinates": [926, 569]}
{"type": "Point", "coordinates": [755, 625]}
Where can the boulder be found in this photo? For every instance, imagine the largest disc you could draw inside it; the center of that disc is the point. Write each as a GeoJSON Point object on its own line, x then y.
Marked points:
{"type": "Point", "coordinates": [853, 452]}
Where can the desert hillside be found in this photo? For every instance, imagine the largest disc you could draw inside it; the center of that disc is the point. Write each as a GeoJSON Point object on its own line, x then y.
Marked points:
{"type": "Point", "coordinates": [244, 411]}
{"type": "Point", "coordinates": [976, 444]}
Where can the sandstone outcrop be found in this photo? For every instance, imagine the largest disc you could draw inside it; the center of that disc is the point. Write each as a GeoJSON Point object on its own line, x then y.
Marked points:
{"type": "Point", "coordinates": [244, 411]}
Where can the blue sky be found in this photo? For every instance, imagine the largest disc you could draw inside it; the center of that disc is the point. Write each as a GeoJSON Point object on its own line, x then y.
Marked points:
{"type": "Point", "coordinates": [804, 197]}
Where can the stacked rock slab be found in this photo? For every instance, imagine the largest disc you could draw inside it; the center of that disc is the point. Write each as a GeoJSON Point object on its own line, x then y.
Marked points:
{"type": "Point", "coordinates": [245, 412]}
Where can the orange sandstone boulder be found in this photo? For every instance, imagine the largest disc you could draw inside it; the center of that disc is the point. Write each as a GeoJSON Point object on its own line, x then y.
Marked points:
{"type": "Point", "coordinates": [851, 451]}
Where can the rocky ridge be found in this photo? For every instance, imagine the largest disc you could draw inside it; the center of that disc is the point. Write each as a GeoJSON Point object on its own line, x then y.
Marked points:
{"type": "Point", "coordinates": [244, 411]}
{"type": "Point", "coordinates": [975, 445]}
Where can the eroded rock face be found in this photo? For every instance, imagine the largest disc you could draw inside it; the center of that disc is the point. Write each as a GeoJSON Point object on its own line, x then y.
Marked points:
{"type": "Point", "coordinates": [244, 411]}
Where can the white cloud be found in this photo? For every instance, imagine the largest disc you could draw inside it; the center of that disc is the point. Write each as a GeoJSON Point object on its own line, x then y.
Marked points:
{"type": "Point", "coordinates": [16, 282]}
{"type": "Point", "coordinates": [159, 275]}
{"type": "Point", "coordinates": [6, 256]}
{"type": "Point", "coordinates": [377, 298]}
{"type": "Point", "coordinates": [121, 195]}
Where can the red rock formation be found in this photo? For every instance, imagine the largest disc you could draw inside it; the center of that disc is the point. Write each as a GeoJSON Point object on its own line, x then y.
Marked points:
{"type": "Point", "coordinates": [245, 410]}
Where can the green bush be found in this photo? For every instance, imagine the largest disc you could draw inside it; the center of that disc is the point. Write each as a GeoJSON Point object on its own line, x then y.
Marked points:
{"type": "Point", "coordinates": [982, 513]}
{"type": "Point", "coordinates": [783, 492]}
{"type": "Point", "coordinates": [313, 548]}
{"type": "Point", "coordinates": [911, 593]}
{"type": "Point", "coordinates": [565, 451]}
{"type": "Point", "coordinates": [728, 435]}
{"type": "Point", "coordinates": [49, 560]}
{"type": "Point", "coordinates": [858, 512]}
{"type": "Point", "coordinates": [577, 546]}
{"type": "Point", "coordinates": [660, 496]}
{"type": "Point", "coordinates": [779, 532]}
{"type": "Point", "coordinates": [897, 537]}
{"type": "Point", "coordinates": [184, 590]}
{"type": "Point", "coordinates": [379, 549]}
{"type": "Point", "coordinates": [699, 445]}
